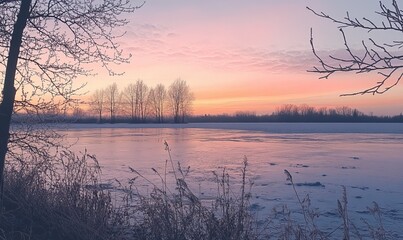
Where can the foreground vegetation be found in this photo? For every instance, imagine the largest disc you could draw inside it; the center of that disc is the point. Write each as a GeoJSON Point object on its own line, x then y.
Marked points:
{"type": "Point", "coordinates": [55, 203]}
{"type": "Point", "coordinates": [67, 201]}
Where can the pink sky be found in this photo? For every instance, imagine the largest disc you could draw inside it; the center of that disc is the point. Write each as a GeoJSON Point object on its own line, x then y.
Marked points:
{"type": "Point", "coordinates": [245, 55]}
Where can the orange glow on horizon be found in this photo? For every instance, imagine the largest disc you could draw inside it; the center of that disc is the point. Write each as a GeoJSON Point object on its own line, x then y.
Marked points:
{"type": "Point", "coordinates": [241, 59]}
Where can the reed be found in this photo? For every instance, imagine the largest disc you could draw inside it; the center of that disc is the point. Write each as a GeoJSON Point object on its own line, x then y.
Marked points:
{"type": "Point", "coordinates": [64, 199]}
{"type": "Point", "coordinates": [59, 203]}
{"type": "Point", "coordinates": [179, 214]}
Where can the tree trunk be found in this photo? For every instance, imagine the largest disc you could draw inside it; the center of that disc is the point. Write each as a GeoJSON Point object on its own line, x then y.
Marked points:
{"type": "Point", "coordinates": [132, 111]}
{"type": "Point", "coordinates": [7, 105]}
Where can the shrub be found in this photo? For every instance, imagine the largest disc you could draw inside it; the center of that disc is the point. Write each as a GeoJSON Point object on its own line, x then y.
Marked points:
{"type": "Point", "coordinates": [59, 203]}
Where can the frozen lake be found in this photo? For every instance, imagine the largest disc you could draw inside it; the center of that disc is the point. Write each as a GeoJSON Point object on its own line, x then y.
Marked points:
{"type": "Point", "coordinates": [366, 158]}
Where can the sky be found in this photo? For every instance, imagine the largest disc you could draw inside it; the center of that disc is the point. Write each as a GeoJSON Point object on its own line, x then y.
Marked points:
{"type": "Point", "coordinates": [247, 55]}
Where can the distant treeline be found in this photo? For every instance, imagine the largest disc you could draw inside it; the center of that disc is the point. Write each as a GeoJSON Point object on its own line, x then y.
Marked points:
{"type": "Point", "coordinates": [285, 113]}
{"type": "Point", "coordinates": [301, 113]}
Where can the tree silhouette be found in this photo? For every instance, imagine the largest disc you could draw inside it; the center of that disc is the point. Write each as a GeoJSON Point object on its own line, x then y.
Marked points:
{"type": "Point", "coordinates": [112, 100]}
{"type": "Point", "coordinates": [46, 44]}
{"type": "Point", "coordinates": [385, 59]}
{"type": "Point", "coordinates": [157, 98]}
{"type": "Point", "coordinates": [97, 103]}
{"type": "Point", "coordinates": [130, 98]}
{"type": "Point", "coordinates": [142, 95]}
{"type": "Point", "coordinates": [180, 100]}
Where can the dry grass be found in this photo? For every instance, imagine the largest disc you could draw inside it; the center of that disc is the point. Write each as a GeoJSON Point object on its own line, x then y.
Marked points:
{"type": "Point", "coordinates": [57, 204]}
{"type": "Point", "coordinates": [61, 199]}
{"type": "Point", "coordinates": [179, 214]}
{"type": "Point", "coordinates": [286, 227]}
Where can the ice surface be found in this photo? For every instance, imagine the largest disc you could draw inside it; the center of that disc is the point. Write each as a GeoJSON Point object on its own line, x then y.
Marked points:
{"type": "Point", "coordinates": [365, 157]}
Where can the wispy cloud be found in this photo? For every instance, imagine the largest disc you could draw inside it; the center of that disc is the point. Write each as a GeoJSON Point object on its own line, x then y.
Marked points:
{"type": "Point", "coordinates": [161, 45]}
{"type": "Point", "coordinates": [244, 59]}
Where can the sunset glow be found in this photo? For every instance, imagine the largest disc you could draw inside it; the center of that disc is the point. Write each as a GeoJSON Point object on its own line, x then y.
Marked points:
{"type": "Point", "coordinates": [242, 56]}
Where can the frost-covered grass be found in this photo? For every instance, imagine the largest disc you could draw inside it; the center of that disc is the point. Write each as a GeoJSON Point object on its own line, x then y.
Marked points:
{"type": "Point", "coordinates": [179, 214]}
{"type": "Point", "coordinates": [67, 201]}
{"type": "Point", "coordinates": [55, 202]}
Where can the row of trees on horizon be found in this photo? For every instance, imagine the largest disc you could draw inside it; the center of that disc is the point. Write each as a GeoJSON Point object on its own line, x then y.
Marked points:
{"type": "Point", "coordinates": [283, 113]}
{"type": "Point", "coordinates": [300, 113]}
{"type": "Point", "coordinates": [138, 102]}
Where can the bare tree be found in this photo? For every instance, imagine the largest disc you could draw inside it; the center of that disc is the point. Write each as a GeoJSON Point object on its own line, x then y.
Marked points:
{"type": "Point", "coordinates": [112, 100]}
{"type": "Point", "coordinates": [180, 100]}
{"type": "Point", "coordinates": [135, 96]}
{"type": "Point", "coordinates": [142, 95]}
{"type": "Point", "coordinates": [157, 99]}
{"type": "Point", "coordinates": [97, 102]}
{"type": "Point", "coordinates": [287, 110]}
{"type": "Point", "coordinates": [384, 59]}
{"type": "Point", "coordinates": [306, 110]}
{"type": "Point", "coordinates": [151, 101]}
{"type": "Point", "coordinates": [46, 44]}
{"type": "Point", "coordinates": [344, 111]}
{"type": "Point", "coordinates": [78, 113]}
{"type": "Point", "coordinates": [129, 97]}
{"type": "Point", "coordinates": [322, 111]}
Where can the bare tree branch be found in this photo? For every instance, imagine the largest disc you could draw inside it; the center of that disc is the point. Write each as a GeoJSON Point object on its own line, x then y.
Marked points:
{"type": "Point", "coordinates": [45, 45]}
{"type": "Point", "coordinates": [385, 59]}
